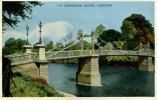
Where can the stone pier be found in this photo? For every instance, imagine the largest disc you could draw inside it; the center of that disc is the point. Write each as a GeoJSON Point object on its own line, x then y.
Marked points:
{"type": "Point", "coordinates": [88, 71]}
{"type": "Point", "coordinates": [42, 63]}
{"type": "Point", "coordinates": [145, 63]}
{"type": "Point", "coordinates": [43, 69]}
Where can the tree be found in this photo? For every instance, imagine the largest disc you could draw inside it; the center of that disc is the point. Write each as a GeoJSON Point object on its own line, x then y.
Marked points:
{"type": "Point", "coordinates": [59, 45]}
{"type": "Point", "coordinates": [129, 32]}
{"type": "Point", "coordinates": [87, 45]}
{"type": "Point", "coordinates": [99, 30]}
{"type": "Point", "coordinates": [14, 10]}
{"type": "Point", "coordinates": [71, 47]}
{"type": "Point", "coordinates": [109, 36]}
{"type": "Point", "coordinates": [13, 46]}
{"type": "Point", "coordinates": [49, 45]}
{"type": "Point", "coordinates": [145, 31]}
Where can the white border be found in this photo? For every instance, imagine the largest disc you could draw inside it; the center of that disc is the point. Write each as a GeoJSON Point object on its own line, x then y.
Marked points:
{"type": "Point", "coordinates": [80, 98]}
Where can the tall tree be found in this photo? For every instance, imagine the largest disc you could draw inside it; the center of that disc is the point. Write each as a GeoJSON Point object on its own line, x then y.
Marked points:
{"type": "Point", "coordinates": [12, 11]}
{"type": "Point", "coordinates": [109, 35]}
{"type": "Point", "coordinates": [145, 31]}
{"type": "Point", "coordinates": [129, 31]}
{"type": "Point", "coordinates": [99, 30]}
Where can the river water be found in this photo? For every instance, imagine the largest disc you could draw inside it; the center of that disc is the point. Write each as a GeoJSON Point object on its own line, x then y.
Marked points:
{"type": "Point", "coordinates": [116, 81]}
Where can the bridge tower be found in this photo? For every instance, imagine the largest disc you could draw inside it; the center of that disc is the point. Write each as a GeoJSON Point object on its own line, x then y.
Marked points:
{"type": "Point", "coordinates": [81, 41]}
{"type": "Point", "coordinates": [92, 42]}
{"type": "Point", "coordinates": [88, 69]}
{"type": "Point", "coordinates": [145, 62]}
{"type": "Point", "coordinates": [42, 63]}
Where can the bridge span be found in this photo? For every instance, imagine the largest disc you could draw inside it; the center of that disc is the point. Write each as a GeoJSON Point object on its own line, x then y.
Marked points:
{"type": "Point", "coordinates": [88, 66]}
{"type": "Point", "coordinates": [88, 60]}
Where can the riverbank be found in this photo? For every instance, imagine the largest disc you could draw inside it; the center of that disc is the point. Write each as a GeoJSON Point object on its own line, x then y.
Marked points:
{"type": "Point", "coordinates": [26, 86]}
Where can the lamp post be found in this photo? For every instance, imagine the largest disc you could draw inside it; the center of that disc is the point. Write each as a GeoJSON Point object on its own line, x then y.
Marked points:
{"type": "Point", "coordinates": [27, 28]}
{"type": "Point", "coordinates": [40, 25]}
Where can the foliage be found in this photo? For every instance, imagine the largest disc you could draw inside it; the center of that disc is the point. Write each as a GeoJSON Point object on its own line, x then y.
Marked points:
{"type": "Point", "coordinates": [111, 59]}
{"type": "Point", "coordinates": [67, 61]}
{"type": "Point", "coordinates": [13, 11]}
{"type": "Point", "coordinates": [99, 30]}
{"type": "Point", "coordinates": [109, 36]}
{"type": "Point", "coordinates": [71, 47]}
{"type": "Point", "coordinates": [118, 44]}
{"type": "Point", "coordinates": [87, 45]}
{"type": "Point", "coordinates": [59, 45]}
{"type": "Point", "coordinates": [13, 46]}
{"type": "Point", "coordinates": [122, 58]}
{"type": "Point", "coordinates": [129, 32]}
{"type": "Point", "coordinates": [26, 88]}
{"type": "Point", "coordinates": [128, 29]}
{"type": "Point", "coordinates": [145, 31]}
{"type": "Point", "coordinates": [49, 45]}
{"type": "Point", "coordinates": [108, 46]}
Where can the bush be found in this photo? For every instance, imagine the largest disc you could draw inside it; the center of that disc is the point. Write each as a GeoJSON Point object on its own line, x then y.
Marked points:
{"type": "Point", "coordinates": [40, 81]}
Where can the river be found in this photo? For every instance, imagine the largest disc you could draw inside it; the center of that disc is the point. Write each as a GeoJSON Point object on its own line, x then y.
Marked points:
{"type": "Point", "coordinates": [116, 81]}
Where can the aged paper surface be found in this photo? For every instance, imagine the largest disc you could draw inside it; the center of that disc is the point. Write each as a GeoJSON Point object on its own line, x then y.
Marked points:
{"type": "Point", "coordinates": [60, 5]}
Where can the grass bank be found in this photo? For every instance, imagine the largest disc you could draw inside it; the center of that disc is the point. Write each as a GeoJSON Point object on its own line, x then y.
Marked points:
{"type": "Point", "coordinates": [26, 86]}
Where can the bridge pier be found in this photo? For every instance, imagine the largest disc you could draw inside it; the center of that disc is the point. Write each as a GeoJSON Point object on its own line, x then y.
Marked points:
{"type": "Point", "coordinates": [88, 71]}
{"type": "Point", "coordinates": [42, 63]}
{"type": "Point", "coordinates": [43, 69]}
{"type": "Point", "coordinates": [145, 63]}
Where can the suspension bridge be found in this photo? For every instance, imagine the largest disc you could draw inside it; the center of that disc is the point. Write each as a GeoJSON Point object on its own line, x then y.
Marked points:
{"type": "Point", "coordinates": [88, 66]}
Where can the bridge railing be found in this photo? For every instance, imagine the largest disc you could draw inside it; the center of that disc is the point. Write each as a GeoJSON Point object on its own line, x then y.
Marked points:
{"type": "Point", "coordinates": [67, 54]}
{"type": "Point", "coordinates": [125, 52]}
{"type": "Point", "coordinates": [22, 58]}
{"type": "Point", "coordinates": [83, 53]}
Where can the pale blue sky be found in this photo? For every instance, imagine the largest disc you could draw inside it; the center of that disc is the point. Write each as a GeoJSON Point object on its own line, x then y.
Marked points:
{"type": "Point", "coordinates": [70, 19]}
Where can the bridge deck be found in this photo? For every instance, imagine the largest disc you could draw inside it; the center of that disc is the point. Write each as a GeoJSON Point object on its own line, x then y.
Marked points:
{"type": "Point", "coordinates": [55, 55]}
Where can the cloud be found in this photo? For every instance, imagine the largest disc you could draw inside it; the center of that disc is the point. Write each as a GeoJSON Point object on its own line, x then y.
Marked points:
{"type": "Point", "coordinates": [53, 31]}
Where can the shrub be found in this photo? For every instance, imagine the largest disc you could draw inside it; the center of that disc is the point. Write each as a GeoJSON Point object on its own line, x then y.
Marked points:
{"type": "Point", "coordinates": [40, 81]}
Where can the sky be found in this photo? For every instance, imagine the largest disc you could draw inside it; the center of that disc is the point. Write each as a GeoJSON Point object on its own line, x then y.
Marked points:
{"type": "Point", "coordinates": [61, 18]}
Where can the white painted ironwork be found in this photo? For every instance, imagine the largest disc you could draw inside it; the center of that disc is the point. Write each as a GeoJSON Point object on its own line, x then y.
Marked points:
{"type": "Point", "coordinates": [22, 58]}
{"type": "Point", "coordinates": [25, 58]}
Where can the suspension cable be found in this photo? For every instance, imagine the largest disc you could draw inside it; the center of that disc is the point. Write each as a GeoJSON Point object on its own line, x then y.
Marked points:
{"type": "Point", "coordinates": [107, 43]}
{"type": "Point", "coordinates": [74, 38]}
{"type": "Point", "coordinates": [136, 48]}
{"type": "Point", "coordinates": [67, 47]}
